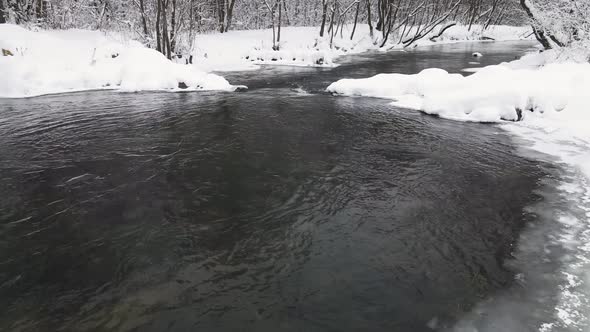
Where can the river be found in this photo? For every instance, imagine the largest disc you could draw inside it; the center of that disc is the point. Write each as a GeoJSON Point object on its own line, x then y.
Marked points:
{"type": "Point", "coordinates": [278, 209]}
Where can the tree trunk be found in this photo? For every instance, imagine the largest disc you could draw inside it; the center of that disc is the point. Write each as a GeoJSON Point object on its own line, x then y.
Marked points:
{"type": "Point", "coordinates": [229, 14]}
{"type": "Point", "coordinates": [279, 26]}
{"type": "Point", "coordinates": [324, 13]}
{"type": "Point", "coordinates": [158, 18]}
{"type": "Point", "coordinates": [369, 18]}
{"type": "Point", "coordinates": [491, 17]}
{"type": "Point", "coordinates": [541, 38]}
{"type": "Point", "coordinates": [331, 28]}
{"type": "Point", "coordinates": [430, 25]}
{"type": "Point", "coordinates": [389, 25]}
{"type": "Point", "coordinates": [539, 34]}
{"type": "Point", "coordinates": [173, 28]}
{"type": "Point", "coordinates": [356, 18]}
{"type": "Point", "coordinates": [442, 30]}
{"type": "Point", "coordinates": [286, 10]}
{"type": "Point", "coordinates": [39, 13]}
{"type": "Point", "coordinates": [143, 19]}
{"type": "Point", "coordinates": [473, 13]}
{"type": "Point", "coordinates": [221, 14]}
{"type": "Point", "coordinates": [380, 15]}
{"type": "Point", "coordinates": [3, 13]}
{"type": "Point", "coordinates": [166, 36]}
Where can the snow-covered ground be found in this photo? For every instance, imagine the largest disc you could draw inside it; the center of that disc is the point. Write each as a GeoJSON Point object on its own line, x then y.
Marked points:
{"type": "Point", "coordinates": [46, 62]}
{"type": "Point", "coordinates": [550, 93]}
{"type": "Point", "coordinates": [301, 46]}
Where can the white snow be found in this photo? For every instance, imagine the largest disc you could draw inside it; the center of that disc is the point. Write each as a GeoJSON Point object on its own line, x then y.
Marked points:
{"type": "Point", "coordinates": [471, 70]}
{"type": "Point", "coordinates": [45, 62]}
{"type": "Point", "coordinates": [556, 92]}
{"type": "Point", "coordinates": [301, 46]}
{"type": "Point", "coordinates": [551, 97]}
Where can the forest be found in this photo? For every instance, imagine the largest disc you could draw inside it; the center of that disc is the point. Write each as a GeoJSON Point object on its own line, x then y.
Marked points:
{"type": "Point", "coordinates": [170, 25]}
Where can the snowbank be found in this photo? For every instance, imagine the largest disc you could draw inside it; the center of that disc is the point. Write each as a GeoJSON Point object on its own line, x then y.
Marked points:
{"type": "Point", "coordinates": [557, 91]}
{"type": "Point", "coordinates": [544, 95]}
{"type": "Point", "coordinates": [48, 62]}
{"type": "Point", "coordinates": [552, 98]}
{"type": "Point", "coordinates": [301, 46]}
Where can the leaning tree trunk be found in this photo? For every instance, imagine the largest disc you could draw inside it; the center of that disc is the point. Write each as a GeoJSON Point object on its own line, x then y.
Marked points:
{"type": "Point", "coordinates": [539, 34]}
{"type": "Point", "coordinates": [389, 25]}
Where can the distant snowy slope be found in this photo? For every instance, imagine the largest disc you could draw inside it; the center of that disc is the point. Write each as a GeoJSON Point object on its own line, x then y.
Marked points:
{"type": "Point", "coordinates": [45, 62]}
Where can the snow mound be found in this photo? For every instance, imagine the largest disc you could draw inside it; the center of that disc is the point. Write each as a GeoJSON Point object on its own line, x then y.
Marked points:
{"type": "Point", "coordinates": [494, 93]}
{"type": "Point", "coordinates": [47, 62]}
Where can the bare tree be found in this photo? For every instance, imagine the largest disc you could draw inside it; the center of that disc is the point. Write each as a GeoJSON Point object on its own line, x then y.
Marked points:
{"type": "Point", "coordinates": [3, 13]}
{"type": "Point", "coordinates": [559, 23]}
{"type": "Point", "coordinates": [324, 13]}
{"type": "Point", "coordinates": [271, 10]}
{"type": "Point", "coordinates": [356, 18]}
{"type": "Point", "coordinates": [170, 25]}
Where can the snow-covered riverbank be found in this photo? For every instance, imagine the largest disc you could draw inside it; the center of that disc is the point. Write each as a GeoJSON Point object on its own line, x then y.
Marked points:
{"type": "Point", "coordinates": [46, 62]}
{"type": "Point", "coordinates": [543, 93]}
{"type": "Point", "coordinates": [550, 97]}
{"type": "Point", "coordinates": [301, 46]}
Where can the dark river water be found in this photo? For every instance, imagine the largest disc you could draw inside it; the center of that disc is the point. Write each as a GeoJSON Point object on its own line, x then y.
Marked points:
{"type": "Point", "coordinates": [279, 209]}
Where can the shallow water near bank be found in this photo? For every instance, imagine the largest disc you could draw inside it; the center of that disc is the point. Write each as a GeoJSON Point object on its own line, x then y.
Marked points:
{"type": "Point", "coordinates": [282, 208]}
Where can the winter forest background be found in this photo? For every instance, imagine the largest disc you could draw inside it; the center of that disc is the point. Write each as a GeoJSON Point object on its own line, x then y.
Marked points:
{"type": "Point", "coordinates": [171, 25]}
